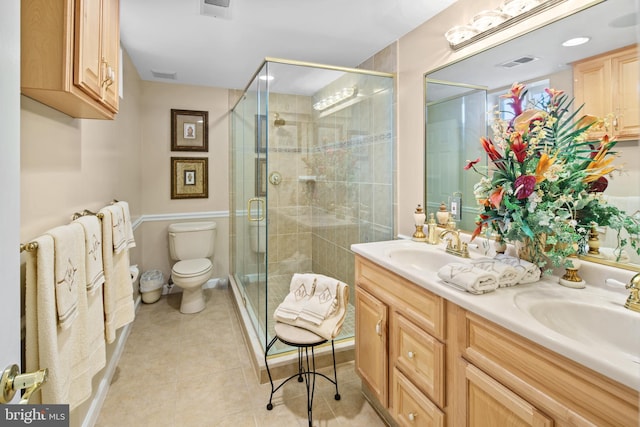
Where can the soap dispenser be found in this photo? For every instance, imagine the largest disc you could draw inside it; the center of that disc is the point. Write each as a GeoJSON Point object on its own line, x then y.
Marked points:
{"type": "Point", "coordinates": [432, 230]}
{"type": "Point", "coordinates": [442, 215]}
{"type": "Point", "coordinates": [418, 219]}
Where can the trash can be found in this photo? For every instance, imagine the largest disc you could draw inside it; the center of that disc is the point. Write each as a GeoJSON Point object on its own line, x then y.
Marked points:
{"type": "Point", "coordinates": [151, 286]}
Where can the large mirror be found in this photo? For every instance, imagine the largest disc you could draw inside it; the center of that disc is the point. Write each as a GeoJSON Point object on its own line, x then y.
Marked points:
{"type": "Point", "coordinates": [460, 99]}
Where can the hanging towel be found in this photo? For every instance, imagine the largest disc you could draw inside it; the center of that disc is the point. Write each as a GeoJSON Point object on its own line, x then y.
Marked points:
{"type": "Point", "coordinates": [67, 259]}
{"type": "Point", "coordinates": [507, 275]}
{"type": "Point", "coordinates": [118, 288]}
{"type": "Point", "coordinates": [48, 345]}
{"type": "Point", "coordinates": [117, 231]}
{"type": "Point", "coordinates": [93, 248]}
{"type": "Point", "coordinates": [128, 227]}
{"type": "Point", "coordinates": [323, 302]}
{"type": "Point", "coordinates": [469, 278]}
{"type": "Point", "coordinates": [531, 272]}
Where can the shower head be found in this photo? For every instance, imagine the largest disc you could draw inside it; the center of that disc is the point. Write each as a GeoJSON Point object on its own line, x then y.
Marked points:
{"type": "Point", "coordinates": [278, 121]}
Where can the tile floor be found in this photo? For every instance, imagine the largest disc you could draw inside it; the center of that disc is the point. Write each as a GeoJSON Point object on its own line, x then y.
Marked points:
{"type": "Point", "coordinates": [193, 370]}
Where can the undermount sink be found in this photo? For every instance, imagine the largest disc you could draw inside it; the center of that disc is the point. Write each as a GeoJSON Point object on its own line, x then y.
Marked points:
{"type": "Point", "coordinates": [427, 258]}
{"type": "Point", "coordinates": [594, 323]}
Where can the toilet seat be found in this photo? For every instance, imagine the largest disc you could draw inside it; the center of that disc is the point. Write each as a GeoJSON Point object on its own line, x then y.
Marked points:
{"type": "Point", "coordinates": [191, 268]}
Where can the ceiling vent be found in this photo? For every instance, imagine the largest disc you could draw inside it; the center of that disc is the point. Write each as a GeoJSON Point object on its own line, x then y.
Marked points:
{"type": "Point", "coordinates": [216, 8]}
{"type": "Point", "coordinates": [164, 75]}
{"type": "Point", "coordinates": [518, 61]}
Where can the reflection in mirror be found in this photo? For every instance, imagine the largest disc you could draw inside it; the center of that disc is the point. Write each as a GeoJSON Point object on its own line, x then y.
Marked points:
{"type": "Point", "coordinates": [454, 114]}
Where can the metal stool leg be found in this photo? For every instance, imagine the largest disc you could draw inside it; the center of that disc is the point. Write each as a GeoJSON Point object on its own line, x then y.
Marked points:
{"type": "Point", "coordinates": [273, 390]}
{"type": "Point", "coordinates": [335, 371]}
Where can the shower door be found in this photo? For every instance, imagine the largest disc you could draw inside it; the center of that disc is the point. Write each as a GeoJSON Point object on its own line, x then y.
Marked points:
{"type": "Point", "coordinates": [249, 165]}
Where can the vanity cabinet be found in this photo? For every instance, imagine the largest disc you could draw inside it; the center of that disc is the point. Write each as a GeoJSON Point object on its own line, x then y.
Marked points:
{"type": "Point", "coordinates": [400, 354]}
{"type": "Point", "coordinates": [430, 362]}
{"type": "Point", "coordinates": [608, 87]}
{"type": "Point", "coordinates": [70, 55]}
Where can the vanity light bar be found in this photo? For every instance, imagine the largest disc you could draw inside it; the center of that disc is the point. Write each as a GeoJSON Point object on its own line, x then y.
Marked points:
{"type": "Point", "coordinates": [490, 22]}
{"type": "Point", "coordinates": [338, 97]}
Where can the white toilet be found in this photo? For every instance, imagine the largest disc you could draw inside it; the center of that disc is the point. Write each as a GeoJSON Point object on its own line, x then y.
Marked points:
{"type": "Point", "coordinates": [192, 244]}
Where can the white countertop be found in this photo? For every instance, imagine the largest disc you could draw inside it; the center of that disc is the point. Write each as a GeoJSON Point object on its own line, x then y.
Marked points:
{"type": "Point", "coordinates": [500, 306]}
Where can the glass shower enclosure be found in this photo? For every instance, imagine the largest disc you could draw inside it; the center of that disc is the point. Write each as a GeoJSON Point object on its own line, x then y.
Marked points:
{"type": "Point", "coordinates": [312, 172]}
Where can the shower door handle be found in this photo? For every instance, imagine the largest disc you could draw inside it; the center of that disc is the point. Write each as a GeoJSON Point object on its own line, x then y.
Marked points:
{"type": "Point", "coordinates": [260, 209]}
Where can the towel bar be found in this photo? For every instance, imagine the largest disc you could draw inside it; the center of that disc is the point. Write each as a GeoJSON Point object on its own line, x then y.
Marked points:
{"type": "Point", "coordinates": [31, 246]}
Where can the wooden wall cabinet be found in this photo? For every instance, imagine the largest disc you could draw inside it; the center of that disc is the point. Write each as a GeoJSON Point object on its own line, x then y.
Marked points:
{"type": "Point", "coordinates": [70, 55]}
{"type": "Point", "coordinates": [608, 87]}
{"type": "Point", "coordinates": [430, 362]}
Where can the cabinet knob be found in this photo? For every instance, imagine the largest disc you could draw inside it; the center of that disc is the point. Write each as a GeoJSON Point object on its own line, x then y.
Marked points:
{"type": "Point", "coordinates": [379, 327]}
{"type": "Point", "coordinates": [411, 355]}
{"type": "Point", "coordinates": [412, 416]}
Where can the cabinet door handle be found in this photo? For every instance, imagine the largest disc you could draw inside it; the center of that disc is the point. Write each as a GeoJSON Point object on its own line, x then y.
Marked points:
{"type": "Point", "coordinates": [379, 327]}
{"type": "Point", "coordinates": [412, 416]}
{"type": "Point", "coordinates": [615, 123]}
{"type": "Point", "coordinates": [411, 355]}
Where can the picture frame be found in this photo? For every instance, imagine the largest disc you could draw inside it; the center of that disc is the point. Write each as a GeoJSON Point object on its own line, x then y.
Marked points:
{"type": "Point", "coordinates": [189, 178]}
{"type": "Point", "coordinates": [261, 177]}
{"type": "Point", "coordinates": [189, 130]}
{"type": "Point", "coordinates": [261, 133]}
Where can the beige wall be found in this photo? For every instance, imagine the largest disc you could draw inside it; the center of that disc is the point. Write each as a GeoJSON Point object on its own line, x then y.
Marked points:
{"type": "Point", "coordinates": [156, 102]}
{"type": "Point", "coordinates": [424, 50]}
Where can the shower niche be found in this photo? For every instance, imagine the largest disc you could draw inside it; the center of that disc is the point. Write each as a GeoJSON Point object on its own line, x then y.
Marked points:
{"type": "Point", "coordinates": [312, 167]}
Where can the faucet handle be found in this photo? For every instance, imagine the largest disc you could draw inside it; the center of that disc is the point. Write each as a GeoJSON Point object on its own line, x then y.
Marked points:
{"type": "Point", "coordinates": [634, 283]}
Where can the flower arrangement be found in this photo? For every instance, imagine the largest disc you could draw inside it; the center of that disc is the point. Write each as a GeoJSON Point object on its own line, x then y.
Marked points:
{"type": "Point", "coordinates": [545, 180]}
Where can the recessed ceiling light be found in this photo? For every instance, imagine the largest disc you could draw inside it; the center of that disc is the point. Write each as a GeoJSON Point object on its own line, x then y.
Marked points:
{"type": "Point", "coordinates": [577, 41]}
{"type": "Point", "coordinates": [266, 78]}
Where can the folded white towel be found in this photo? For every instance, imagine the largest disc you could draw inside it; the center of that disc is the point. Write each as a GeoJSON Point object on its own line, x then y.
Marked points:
{"type": "Point", "coordinates": [507, 275]}
{"type": "Point", "coordinates": [128, 228]}
{"type": "Point", "coordinates": [67, 267]}
{"type": "Point", "coordinates": [119, 309]}
{"type": "Point", "coordinates": [323, 302]}
{"type": "Point", "coordinates": [469, 278]}
{"type": "Point", "coordinates": [531, 271]}
{"type": "Point", "coordinates": [615, 254]}
{"type": "Point", "coordinates": [308, 280]}
{"type": "Point", "coordinates": [292, 305]}
{"type": "Point", "coordinates": [93, 248]}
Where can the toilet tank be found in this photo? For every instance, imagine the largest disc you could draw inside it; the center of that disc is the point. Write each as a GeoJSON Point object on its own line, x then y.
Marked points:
{"type": "Point", "coordinates": [258, 236]}
{"type": "Point", "coordinates": [191, 240]}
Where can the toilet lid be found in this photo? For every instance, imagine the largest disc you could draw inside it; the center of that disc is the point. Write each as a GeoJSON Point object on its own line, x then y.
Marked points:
{"type": "Point", "coordinates": [192, 267]}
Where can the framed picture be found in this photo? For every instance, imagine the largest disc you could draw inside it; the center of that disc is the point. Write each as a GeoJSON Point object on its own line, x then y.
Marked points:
{"type": "Point", "coordinates": [189, 130]}
{"type": "Point", "coordinates": [189, 178]}
{"type": "Point", "coordinates": [261, 133]}
{"type": "Point", "coordinates": [261, 177]}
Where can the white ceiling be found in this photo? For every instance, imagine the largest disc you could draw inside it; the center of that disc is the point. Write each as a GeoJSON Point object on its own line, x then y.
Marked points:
{"type": "Point", "coordinates": [171, 36]}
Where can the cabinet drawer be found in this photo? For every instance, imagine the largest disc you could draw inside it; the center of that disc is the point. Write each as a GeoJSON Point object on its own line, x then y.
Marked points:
{"type": "Point", "coordinates": [414, 302]}
{"type": "Point", "coordinates": [411, 407]}
{"type": "Point", "coordinates": [420, 356]}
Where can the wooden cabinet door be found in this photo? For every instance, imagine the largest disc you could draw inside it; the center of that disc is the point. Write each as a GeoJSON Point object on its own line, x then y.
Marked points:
{"type": "Point", "coordinates": [87, 62]}
{"type": "Point", "coordinates": [625, 74]}
{"type": "Point", "coordinates": [592, 87]}
{"type": "Point", "coordinates": [489, 403]}
{"type": "Point", "coordinates": [372, 360]}
{"type": "Point", "coordinates": [111, 53]}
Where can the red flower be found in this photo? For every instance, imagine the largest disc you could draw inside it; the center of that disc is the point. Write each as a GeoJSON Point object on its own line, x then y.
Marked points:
{"type": "Point", "coordinates": [471, 163]}
{"type": "Point", "coordinates": [598, 186]}
{"type": "Point", "coordinates": [515, 94]}
{"type": "Point", "coordinates": [491, 150]}
{"type": "Point", "coordinates": [480, 224]}
{"type": "Point", "coordinates": [518, 146]}
{"type": "Point", "coordinates": [525, 184]}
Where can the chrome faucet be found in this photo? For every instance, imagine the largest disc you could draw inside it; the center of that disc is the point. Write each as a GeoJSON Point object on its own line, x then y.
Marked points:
{"type": "Point", "coordinates": [454, 245]}
{"type": "Point", "coordinates": [633, 302]}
